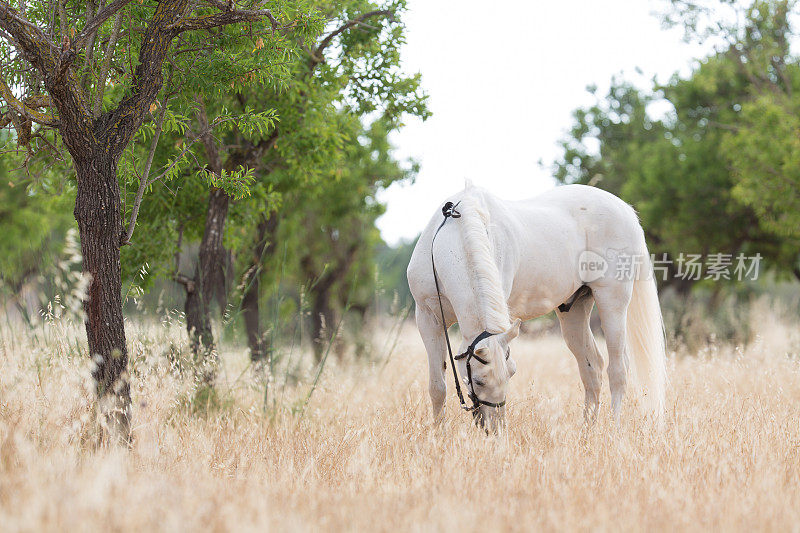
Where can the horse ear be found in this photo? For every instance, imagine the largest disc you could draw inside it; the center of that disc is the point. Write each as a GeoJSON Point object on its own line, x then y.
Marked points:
{"type": "Point", "coordinates": [511, 365]}
{"type": "Point", "coordinates": [511, 333]}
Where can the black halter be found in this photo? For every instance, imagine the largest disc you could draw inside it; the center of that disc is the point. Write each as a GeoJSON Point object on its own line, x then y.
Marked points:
{"type": "Point", "coordinates": [469, 355]}
{"type": "Point", "coordinates": [449, 211]}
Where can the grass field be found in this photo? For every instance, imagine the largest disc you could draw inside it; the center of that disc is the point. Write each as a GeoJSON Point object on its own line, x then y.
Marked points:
{"type": "Point", "coordinates": [364, 454]}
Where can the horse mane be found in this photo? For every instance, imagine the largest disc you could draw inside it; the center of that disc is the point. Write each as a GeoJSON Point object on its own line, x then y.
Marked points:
{"type": "Point", "coordinates": [481, 265]}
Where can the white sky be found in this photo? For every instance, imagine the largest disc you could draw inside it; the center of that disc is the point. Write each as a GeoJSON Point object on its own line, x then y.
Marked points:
{"type": "Point", "coordinates": [503, 79]}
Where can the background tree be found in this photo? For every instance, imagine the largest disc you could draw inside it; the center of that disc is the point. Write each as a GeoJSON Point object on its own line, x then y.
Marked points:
{"type": "Point", "coordinates": [675, 169]}
{"type": "Point", "coordinates": [96, 87]}
{"type": "Point", "coordinates": [337, 258]}
{"type": "Point", "coordinates": [35, 217]}
{"type": "Point", "coordinates": [350, 73]}
{"type": "Point", "coordinates": [760, 141]}
{"type": "Point", "coordinates": [360, 75]}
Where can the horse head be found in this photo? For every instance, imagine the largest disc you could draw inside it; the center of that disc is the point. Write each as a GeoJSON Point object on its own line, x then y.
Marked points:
{"type": "Point", "coordinates": [486, 375]}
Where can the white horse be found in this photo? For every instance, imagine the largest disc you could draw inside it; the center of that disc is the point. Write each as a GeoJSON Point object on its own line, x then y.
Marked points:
{"type": "Point", "coordinates": [566, 249]}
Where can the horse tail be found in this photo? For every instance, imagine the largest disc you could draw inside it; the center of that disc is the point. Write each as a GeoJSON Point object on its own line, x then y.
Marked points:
{"type": "Point", "coordinates": [645, 338]}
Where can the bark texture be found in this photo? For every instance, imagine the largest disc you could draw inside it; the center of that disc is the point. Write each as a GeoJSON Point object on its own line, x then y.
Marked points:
{"type": "Point", "coordinates": [97, 210]}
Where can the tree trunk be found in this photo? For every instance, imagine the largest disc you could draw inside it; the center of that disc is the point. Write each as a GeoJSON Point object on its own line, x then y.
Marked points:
{"type": "Point", "coordinates": [212, 256]}
{"type": "Point", "coordinates": [97, 210]}
{"type": "Point", "coordinates": [209, 276]}
{"type": "Point", "coordinates": [252, 318]}
{"type": "Point", "coordinates": [198, 325]}
{"type": "Point", "coordinates": [263, 248]}
{"type": "Point", "coordinates": [683, 287]}
{"type": "Point", "coordinates": [207, 285]}
{"type": "Point", "coordinates": [322, 321]}
{"type": "Point", "coordinates": [322, 314]}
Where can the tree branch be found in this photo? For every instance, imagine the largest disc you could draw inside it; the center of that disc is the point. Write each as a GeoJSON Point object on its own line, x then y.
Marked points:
{"type": "Point", "coordinates": [38, 100]}
{"type": "Point", "coordinates": [143, 181]}
{"type": "Point", "coordinates": [119, 125]}
{"type": "Point", "coordinates": [91, 11]}
{"type": "Point", "coordinates": [62, 20]}
{"type": "Point", "coordinates": [46, 57]}
{"type": "Point", "coordinates": [93, 25]}
{"type": "Point", "coordinates": [34, 45]}
{"type": "Point", "coordinates": [252, 153]}
{"type": "Point", "coordinates": [317, 53]}
{"type": "Point", "coordinates": [209, 144]}
{"type": "Point", "coordinates": [112, 44]}
{"type": "Point", "coordinates": [186, 148]}
{"type": "Point", "coordinates": [185, 281]}
{"type": "Point", "coordinates": [69, 50]}
{"type": "Point", "coordinates": [225, 18]}
{"type": "Point", "coordinates": [25, 111]}
{"type": "Point", "coordinates": [265, 145]}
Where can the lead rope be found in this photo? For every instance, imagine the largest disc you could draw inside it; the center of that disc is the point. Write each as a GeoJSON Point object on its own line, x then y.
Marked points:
{"type": "Point", "coordinates": [448, 210]}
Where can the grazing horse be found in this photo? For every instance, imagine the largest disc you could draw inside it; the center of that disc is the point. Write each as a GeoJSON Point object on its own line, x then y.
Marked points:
{"type": "Point", "coordinates": [496, 261]}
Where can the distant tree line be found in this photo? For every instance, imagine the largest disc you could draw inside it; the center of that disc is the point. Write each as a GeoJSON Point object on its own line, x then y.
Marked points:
{"type": "Point", "coordinates": [719, 172]}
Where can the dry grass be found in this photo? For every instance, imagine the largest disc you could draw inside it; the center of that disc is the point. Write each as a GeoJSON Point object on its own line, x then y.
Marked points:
{"type": "Point", "coordinates": [365, 456]}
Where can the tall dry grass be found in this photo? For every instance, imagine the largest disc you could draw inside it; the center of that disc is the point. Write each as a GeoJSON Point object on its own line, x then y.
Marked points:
{"type": "Point", "coordinates": [364, 455]}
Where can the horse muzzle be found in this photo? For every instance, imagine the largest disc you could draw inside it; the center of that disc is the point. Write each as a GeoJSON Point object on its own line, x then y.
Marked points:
{"type": "Point", "coordinates": [489, 419]}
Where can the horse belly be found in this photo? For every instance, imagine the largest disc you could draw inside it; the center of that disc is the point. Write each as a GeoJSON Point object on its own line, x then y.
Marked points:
{"type": "Point", "coordinates": [537, 299]}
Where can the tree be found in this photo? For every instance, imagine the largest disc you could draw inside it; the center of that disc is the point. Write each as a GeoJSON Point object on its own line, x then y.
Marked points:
{"type": "Point", "coordinates": [337, 261]}
{"type": "Point", "coordinates": [353, 65]}
{"type": "Point", "coordinates": [35, 218]}
{"type": "Point", "coordinates": [760, 142]}
{"type": "Point", "coordinates": [763, 148]}
{"type": "Point", "coordinates": [319, 143]}
{"type": "Point", "coordinates": [96, 87]}
{"type": "Point", "coordinates": [673, 169]}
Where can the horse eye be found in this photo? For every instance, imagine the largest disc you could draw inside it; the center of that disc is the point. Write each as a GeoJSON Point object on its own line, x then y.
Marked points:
{"type": "Point", "coordinates": [479, 383]}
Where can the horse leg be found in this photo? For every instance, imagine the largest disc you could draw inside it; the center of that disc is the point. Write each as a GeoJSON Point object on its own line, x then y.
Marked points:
{"type": "Point", "coordinates": [612, 304]}
{"type": "Point", "coordinates": [578, 336]}
{"type": "Point", "coordinates": [433, 338]}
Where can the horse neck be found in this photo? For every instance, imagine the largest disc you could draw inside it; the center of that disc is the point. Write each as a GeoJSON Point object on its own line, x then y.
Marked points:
{"type": "Point", "coordinates": [488, 298]}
